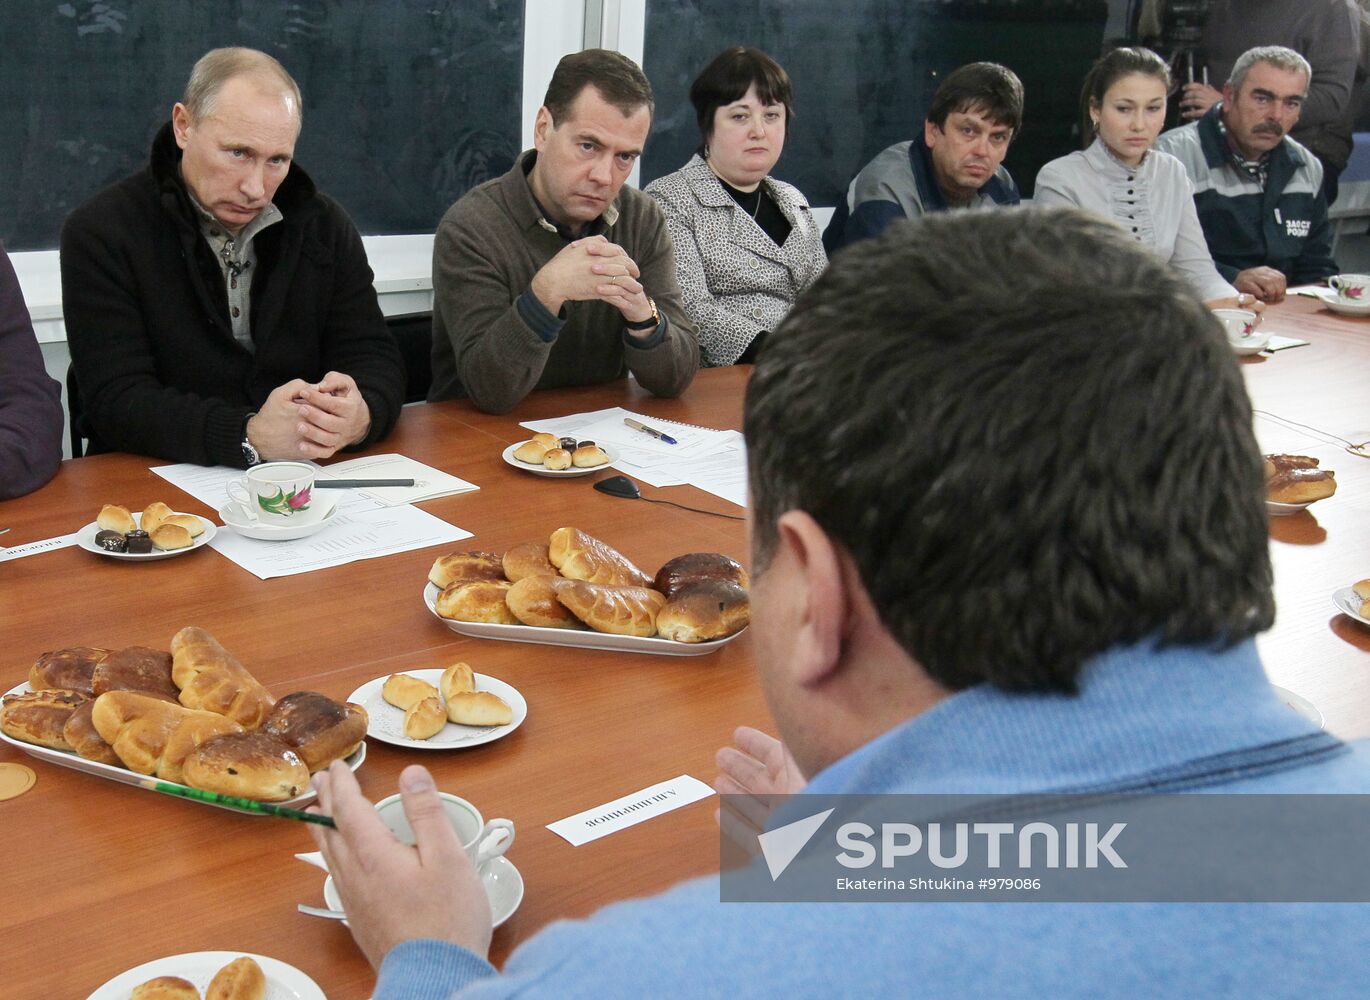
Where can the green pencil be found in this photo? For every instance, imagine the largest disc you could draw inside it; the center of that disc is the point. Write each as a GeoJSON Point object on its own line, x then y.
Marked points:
{"type": "Point", "coordinates": [251, 805]}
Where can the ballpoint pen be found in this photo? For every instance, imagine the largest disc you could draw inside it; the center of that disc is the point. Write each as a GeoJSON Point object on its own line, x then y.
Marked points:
{"type": "Point", "coordinates": [637, 425]}
{"type": "Point", "coordinates": [359, 484]}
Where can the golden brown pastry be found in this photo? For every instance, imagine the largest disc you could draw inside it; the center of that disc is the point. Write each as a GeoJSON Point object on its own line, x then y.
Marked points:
{"type": "Point", "coordinates": [190, 522]}
{"type": "Point", "coordinates": [528, 559]}
{"type": "Point", "coordinates": [588, 456]}
{"type": "Point", "coordinates": [153, 515]}
{"type": "Point", "coordinates": [1362, 589]}
{"type": "Point", "coordinates": [168, 536]}
{"type": "Point", "coordinates": [81, 735]}
{"type": "Point", "coordinates": [617, 610]}
{"type": "Point", "coordinates": [39, 717]}
{"type": "Point", "coordinates": [695, 567]}
{"type": "Point", "coordinates": [152, 736]}
{"type": "Point", "coordinates": [703, 611]}
{"type": "Point", "coordinates": [583, 557]}
{"type": "Point", "coordinates": [70, 669]}
{"type": "Point", "coordinates": [479, 708]}
{"type": "Point", "coordinates": [165, 988]}
{"type": "Point", "coordinates": [404, 691]}
{"type": "Point", "coordinates": [533, 600]}
{"type": "Point", "coordinates": [135, 668]}
{"type": "Point", "coordinates": [531, 452]}
{"type": "Point", "coordinates": [457, 679]}
{"type": "Point", "coordinates": [424, 719]}
{"type": "Point", "coordinates": [548, 441]}
{"type": "Point", "coordinates": [212, 679]}
{"type": "Point", "coordinates": [252, 765]}
{"type": "Point", "coordinates": [482, 601]}
{"type": "Point", "coordinates": [557, 459]}
{"type": "Point", "coordinates": [316, 727]}
{"type": "Point", "coordinates": [240, 979]}
{"type": "Point", "coordinates": [465, 567]}
{"type": "Point", "coordinates": [1283, 463]}
{"type": "Point", "coordinates": [1300, 486]}
{"type": "Point", "coordinates": [115, 518]}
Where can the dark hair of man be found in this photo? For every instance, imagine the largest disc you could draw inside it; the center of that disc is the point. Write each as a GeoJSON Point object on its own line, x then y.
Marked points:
{"type": "Point", "coordinates": [1107, 71]}
{"type": "Point", "coordinates": [1032, 440]}
{"type": "Point", "coordinates": [618, 79]}
{"type": "Point", "coordinates": [985, 88]}
{"type": "Point", "coordinates": [728, 78]}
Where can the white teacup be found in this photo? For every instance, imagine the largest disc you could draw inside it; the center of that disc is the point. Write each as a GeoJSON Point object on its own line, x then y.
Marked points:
{"type": "Point", "coordinates": [1351, 287]}
{"type": "Point", "coordinates": [480, 840]}
{"type": "Point", "coordinates": [278, 493]}
{"type": "Point", "coordinates": [1239, 323]}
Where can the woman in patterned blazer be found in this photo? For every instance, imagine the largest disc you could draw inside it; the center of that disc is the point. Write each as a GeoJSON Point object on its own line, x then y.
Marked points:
{"type": "Point", "coordinates": [745, 244]}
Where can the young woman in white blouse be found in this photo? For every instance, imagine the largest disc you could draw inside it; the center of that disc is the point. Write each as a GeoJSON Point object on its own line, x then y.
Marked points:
{"type": "Point", "coordinates": [1120, 177]}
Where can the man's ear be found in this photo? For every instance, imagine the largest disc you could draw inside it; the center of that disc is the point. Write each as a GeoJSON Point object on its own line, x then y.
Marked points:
{"type": "Point", "coordinates": [542, 127]}
{"type": "Point", "coordinates": [931, 133]}
{"type": "Point", "coordinates": [822, 604]}
{"type": "Point", "coordinates": [1229, 95]}
{"type": "Point", "coordinates": [180, 124]}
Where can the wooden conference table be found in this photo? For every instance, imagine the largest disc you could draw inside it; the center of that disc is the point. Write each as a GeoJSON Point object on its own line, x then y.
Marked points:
{"type": "Point", "coordinates": [102, 877]}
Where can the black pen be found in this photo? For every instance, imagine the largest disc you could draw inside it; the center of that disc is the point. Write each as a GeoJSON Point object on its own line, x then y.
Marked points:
{"type": "Point", "coordinates": [359, 484]}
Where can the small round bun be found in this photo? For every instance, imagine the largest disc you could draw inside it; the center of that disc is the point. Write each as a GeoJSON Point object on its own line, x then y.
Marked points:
{"type": "Point", "coordinates": [695, 567]}
{"type": "Point", "coordinates": [704, 611]}
{"type": "Point", "coordinates": [240, 979]}
{"type": "Point", "coordinates": [531, 452]}
{"type": "Point", "coordinates": [464, 567]}
{"type": "Point", "coordinates": [548, 441]}
{"type": "Point", "coordinates": [533, 600]}
{"type": "Point", "coordinates": [155, 514]}
{"type": "Point", "coordinates": [480, 601]}
{"type": "Point", "coordinates": [557, 459]}
{"type": "Point", "coordinates": [528, 559]}
{"type": "Point", "coordinates": [115, 518]}
{"type": "Point", "coordinates": [252, 765]}
{"type": "Point", "coordinates": [190, 522]}
{"type": "Point", "coordinates": [316, 727]}
{"type": "Point", "coordinates": [171, 536]}
{"type": "Point", "coordinates": [588, 456]}
{"type": "Point", "coordinates": [165, 988]}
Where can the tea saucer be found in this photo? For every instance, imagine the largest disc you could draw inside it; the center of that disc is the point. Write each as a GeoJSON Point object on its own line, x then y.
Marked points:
{"type": "Point", "coordinates": [503, 887]}
{"type": "Point", "coordinates": [1334, 303]}
{"type": "Point", "coordinates": [231, 515]}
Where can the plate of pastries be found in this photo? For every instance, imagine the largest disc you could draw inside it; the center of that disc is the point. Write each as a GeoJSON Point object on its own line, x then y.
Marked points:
{"type": "Point", "coordinates": [576, 590]}
{"type": "Point", "coordinates": [1354, 601]}
{"type": "Point", "coordinates": [439, 709]}
{"type": "Point", "coordinates": [1292, 482]}
{"type": "Point", "coordinates": [193, 716]}
{"type": "Point", "coordinates": [157, 532]}
{"type": "Point", "coordinates": [547, 455]}
{"type": "Point", "coordinates": [211, 975]}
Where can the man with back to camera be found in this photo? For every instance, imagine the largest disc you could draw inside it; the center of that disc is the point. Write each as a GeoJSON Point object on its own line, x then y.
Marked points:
{"type": "Point", "coordinates": [1258, 192]}
{"type": "Point", "coordinates": [220, 310]}
{"type": "Point", "coordinates": [958, 163]}
{"type": "Point", "coordinates": [960, 638]}
{"type": "Point", "coordinates": [556, 274]}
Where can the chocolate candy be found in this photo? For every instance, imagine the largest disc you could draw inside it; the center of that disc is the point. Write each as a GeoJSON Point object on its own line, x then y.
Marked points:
{"type": "Point", "coordinates": [111, 541]}
{"type": "Point", "coordinates": [568, 443]}
{"type": "Point", "coordinates": [138, 542]}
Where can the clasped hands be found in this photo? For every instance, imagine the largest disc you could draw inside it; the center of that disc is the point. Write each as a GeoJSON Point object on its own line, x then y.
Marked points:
{"type": "Point", "coordinates": [302, 420]}
{"type": "Point", "coordinates": [593, 268]}
{"type": "Point", "coordinates": [1196, 99]}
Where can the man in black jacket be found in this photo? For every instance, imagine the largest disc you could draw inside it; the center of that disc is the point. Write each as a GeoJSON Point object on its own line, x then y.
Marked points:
{"type": "Point", "coordinates": [219, 309]}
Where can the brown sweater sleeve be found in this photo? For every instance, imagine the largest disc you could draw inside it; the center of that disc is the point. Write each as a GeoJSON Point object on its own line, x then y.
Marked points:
{"type": "Point", "coordinates": [668, 367]}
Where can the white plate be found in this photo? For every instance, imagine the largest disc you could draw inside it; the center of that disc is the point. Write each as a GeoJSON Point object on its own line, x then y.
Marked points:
{"type": "Point", "coordinates": [1330, 300]}
{"type": "Point", "coordinates": [272, 532]}
{"type": "Point", "coordinates": [386, 722]}
{"type": "Point", "coordinates": [503, 886]}
{"type": "Point", "coordinates": [1276, 509]}
{"type": "Point", "coordinates": [581, 638]}
{"type": "Point", "coordinates": [1348, 602]}
{"type": "Point", "coordinates": [85, 538]}
{"type": "Point", "coordinates": [124, 776]}
{"type": "Point", "coordinates": [542, 470]}
{"type": "Point", "coordinates": [283, 982]}
{"type": "Point", "coordinates": [1300, 705]}
{"type": "Point", "coordinates": [1252, 344]}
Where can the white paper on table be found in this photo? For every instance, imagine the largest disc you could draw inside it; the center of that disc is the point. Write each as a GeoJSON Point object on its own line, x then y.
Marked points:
{"type": "Point", "coordinates": [1312, 291]}
{"type": "Point", "coordinates": [723, 475]}
{"type": "Point", "coordinates": [351, 537]}
{"type": "Point", "coordinates": [1278, 342]}
{"type": "Point", "coordinates": [429, 483]}
{"type": "Point", "coordinates": [34, 548]}
{"type": "Point", "coordinates": [630, 810]}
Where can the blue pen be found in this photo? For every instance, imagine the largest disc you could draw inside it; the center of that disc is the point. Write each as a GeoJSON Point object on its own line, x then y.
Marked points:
{"type": "Point", "coordinates": [639, 426]}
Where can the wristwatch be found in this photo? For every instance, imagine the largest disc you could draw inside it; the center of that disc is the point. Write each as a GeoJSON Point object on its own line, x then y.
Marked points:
{"type": "Point", "coordinates": [651, 323]}
{"type": "Point", "coordinates": [250, 454]}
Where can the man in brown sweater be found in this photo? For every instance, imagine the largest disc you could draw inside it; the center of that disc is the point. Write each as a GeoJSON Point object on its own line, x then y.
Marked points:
{"type": "Point", "coordinates": [555, 274]}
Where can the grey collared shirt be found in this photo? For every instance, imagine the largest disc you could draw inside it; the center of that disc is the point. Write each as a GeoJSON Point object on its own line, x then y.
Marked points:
{"type": "Point", "coordinates": [237, 261]}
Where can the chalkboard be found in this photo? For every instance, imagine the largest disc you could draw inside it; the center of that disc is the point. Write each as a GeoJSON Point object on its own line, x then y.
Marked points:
{"type": "Point", "coordinates": [407, 103]}
{"type": "Point", "coordinates": [864, 71]}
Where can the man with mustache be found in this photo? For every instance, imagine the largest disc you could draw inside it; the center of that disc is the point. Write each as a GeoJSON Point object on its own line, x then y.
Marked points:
{"type": "Point", "coordinates": [556, 274]}
{"type": "Point", "coordinates": [1258, 191]}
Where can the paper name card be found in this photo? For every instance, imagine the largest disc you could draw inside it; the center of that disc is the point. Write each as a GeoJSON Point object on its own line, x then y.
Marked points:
{"type": "Point", "coordinates": [630, 810]}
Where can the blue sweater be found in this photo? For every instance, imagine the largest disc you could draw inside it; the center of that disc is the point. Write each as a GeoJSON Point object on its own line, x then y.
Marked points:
{"type": "Point", "coordinates": [1140, 712]}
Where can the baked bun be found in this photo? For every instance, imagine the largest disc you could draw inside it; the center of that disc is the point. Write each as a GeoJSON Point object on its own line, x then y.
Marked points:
{"type": "Point", "coordinates": [251, 765]}
{"type": "Point", "coordinates": [557, 459]}
{"type": "Point", "coordinates": [135, 668]}
{"type": "Point", "coordinates": [240, 979]}
{"type": "Point", "coordinates": [457, 679]}
{"type": "Point", "coordinates": [531, 452]}
{"type": "Point", "coordinates": [39, 717]}
{"type": "Point", "coordinates": [548, 441]}
{"type": "Point", "coordinates": [167, 536]}
{"type": "Point", "coordinates": [482, 601]}
{"type": "Point", "coordinates": [424, 719]}
{"type": "Point", "coordinates": [154, 514]}
{"type": "Point", "coordinates": [704, 611]}
{"type": "Point", "coordinates": [479, 708]}
{"type": "Point", "coordinates": [1362, 589]}
{"type": "Point", "coordinates": [212, 679]}
{"type": "Point", "coordinates": [696, 567]}
{"type": "Point", "coordinates": [528, 559]}
{"type": "Point", "coordinates": [533, 600]}
{"type": "Point", "coordinates": [115, 518]}
{"type": "Point", "coordinates": [152, 736]}
{"type": "Point", "coordinates": [165, 988]}
{"type": "Point", "coordinates": [464, 567]}
{"type": "Point", "coordinates": [1300, 486]}
{"type": "Point", "coordinates": [404, 691]}
{"type": "Point", "coordinates": [82, 736]}
{"type": "Point", "coordinates": [316, 727]}
{"type": "Point", "coordinates": [616, 610]}
{"type": "Point", "coordinates": [71, 669]}
{"type": "Point", "coordinates": [588, 456]}
{"type": "Point", "coordinates": [583, 557]}
{"type": "Point", "coordinates": [192, 524]}
{"type": "Point", "coordinates": [1283, 463]}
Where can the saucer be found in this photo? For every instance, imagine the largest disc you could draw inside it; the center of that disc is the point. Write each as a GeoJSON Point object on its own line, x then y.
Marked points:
{"type": "Point", "coordinates": [1276, 509]}
{"type": "Point", "coordinates": [199, 967]}
{"type": "Point", "coordinates": [1253, 343]}
{"type": "Point", "coordinates": [1332, 302]}
{"type": "Point", "coordinates": [503, 887]}
{"type": "Point", "coordinates": [270, 532]}
{"type": "Point", "coordinates": [1300, 705]}
{"type": "Point", "coordinates": [1348, 602]}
